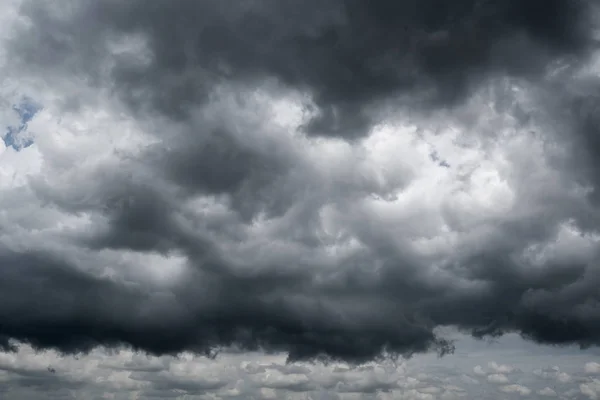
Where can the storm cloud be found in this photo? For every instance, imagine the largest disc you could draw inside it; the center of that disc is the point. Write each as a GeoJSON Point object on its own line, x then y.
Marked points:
{"type": "Point", "coordinates": [334, 180]}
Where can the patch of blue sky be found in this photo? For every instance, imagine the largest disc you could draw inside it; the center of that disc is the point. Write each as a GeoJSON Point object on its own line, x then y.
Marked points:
{"type": "Point", "coordinates": [15, 136]}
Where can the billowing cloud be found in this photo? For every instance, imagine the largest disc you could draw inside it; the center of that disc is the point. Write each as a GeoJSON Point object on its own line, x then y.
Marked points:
{"type": "Point", "coordinates": [497, 378]}
{"type": "Point", "coordinates": [500, 368]}
{"type": "Point", "coordinates": [520, 389]}
{"type": "Point", "coordinates": [547, 392]}
{"type": "Point", "coordinates": [349, 56]}
{"type": "Point", "coordinates": [591, 389]}
{"type": "Point", "coordinates": [333, 180]}
{"type": "Point", "coordinates": [592, 368]}
{"type": "Point", "coordinates": [103, 373]}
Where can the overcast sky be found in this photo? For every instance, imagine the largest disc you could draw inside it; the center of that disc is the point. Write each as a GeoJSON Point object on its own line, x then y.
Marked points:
{"type": "Point", "coordinates": [303, 199]}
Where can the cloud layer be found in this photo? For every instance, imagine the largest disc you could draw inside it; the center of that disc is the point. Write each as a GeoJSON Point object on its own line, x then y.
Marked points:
{"type": "Point", "coordinates": [331, 181]}
{"type": "Point", "coordinates": [126, 375]}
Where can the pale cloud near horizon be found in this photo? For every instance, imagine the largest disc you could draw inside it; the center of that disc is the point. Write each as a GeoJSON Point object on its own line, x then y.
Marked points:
{"type": "Point", "coordinates": [126, 374]}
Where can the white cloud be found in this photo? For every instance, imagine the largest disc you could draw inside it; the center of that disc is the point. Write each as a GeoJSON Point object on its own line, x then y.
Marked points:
{"type": "Point", "coordinates": [548, 392]}
{"type": "Point", "coordinates": [520, 389]}
{"type": "Point", "coordinates": [497, 378]}
{"type": "Point", "coordinates": [563, 377]}
{"type": "Point", "coordinates": [553, 373]}
{"type": "Point", "coordinates": [233, 376]}
{"type": "Point", "coordinates": [500, 368]}
{"type": "Point", "coordinates": [591, 389]}
{"type": "Point", "coordinates": [592, 368]}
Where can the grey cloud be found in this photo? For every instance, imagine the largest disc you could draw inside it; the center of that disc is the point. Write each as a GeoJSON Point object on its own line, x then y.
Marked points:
{"type": "Point", "coordinates": [275, 286]}
{"type": "Point", "coordinates": [349, 55]}
{"type": "Point", "coordinates": [87, 376]}
{"type": "Point", "coordinates": [136, 366]}
{"type": "Point", "coordinates": [197, 385]}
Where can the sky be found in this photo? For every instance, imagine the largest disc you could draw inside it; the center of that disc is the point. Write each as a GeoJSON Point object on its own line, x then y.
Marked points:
{"type": "Point", "coordinates": [285, 199]}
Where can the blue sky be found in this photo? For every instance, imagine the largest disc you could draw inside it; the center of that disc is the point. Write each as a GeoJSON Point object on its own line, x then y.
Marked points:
{"type": "Point", "coordinates": [13, 136]}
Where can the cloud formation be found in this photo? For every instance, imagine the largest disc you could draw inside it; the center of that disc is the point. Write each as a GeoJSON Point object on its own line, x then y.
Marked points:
{"type": "Point", "coordinates": [126, 374]}
{"type": "Point", "coordinates": [334, 180]}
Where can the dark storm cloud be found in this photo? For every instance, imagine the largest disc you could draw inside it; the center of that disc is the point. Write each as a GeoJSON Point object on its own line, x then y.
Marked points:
{"type": "Point", "coordinates": [351, 57]}
{"type": "Point", "coordinates": [57, 293]}
{"type": "Point", "coordinates": [353, 54]}
{"type": "Point", "coordinates": [575, 104]}
{"type": "Point", "coordinates": [76, 313]}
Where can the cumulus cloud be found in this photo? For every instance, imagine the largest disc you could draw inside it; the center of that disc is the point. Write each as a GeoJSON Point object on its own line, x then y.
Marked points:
{"type": "Point", "coordinates": [104, 373]}
{"type": "Point", "coordinates": [500, 368]}
{"type": "Point", "coordinates": [333, 180]}
{"type": "Point", "coordinates": [520, 389]}
{"type": "Point", "coordinates": [553, 373]}
{"type": "Point", "coordinates": [478, 370]}
{"type": "Point", "coordinates": [591, 389]}
{"type": "Point", "coordinates": [497, 378]}
{"type": "Point", "coordinates": [547, 391]}
{"type": "Point", "coordinates": [592, 368]}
